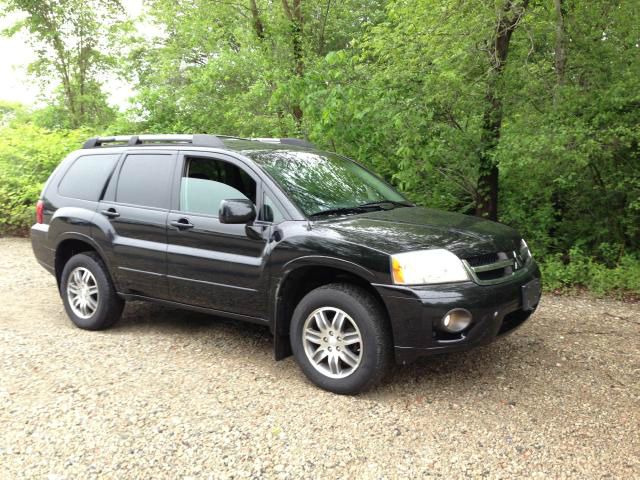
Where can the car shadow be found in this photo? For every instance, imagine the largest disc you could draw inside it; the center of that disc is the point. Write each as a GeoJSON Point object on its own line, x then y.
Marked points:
{"type": "Point", "coordinates": [500, 366]}
{"type": "Point", "coordinates": [456, 372]}
{"type": "Point", "coordinates": [145, 317]}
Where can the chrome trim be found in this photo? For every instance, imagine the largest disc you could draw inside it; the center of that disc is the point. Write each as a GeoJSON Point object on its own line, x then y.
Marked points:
{"type": "Point", "coordinates": [520, 271]}
{"type": "Point", "coordinates": [494, 266]}
{"type": "Point", "coordinates": [169, 138]}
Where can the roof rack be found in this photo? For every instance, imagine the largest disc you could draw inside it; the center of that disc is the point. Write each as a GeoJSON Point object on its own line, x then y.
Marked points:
{"type": "Point", "coordinates": [197, 140]}
{"type": "Point", "coordinates": [287, 141]}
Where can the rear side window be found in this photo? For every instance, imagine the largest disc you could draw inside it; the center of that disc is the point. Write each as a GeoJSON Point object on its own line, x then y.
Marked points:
{"type": "Point", "coordinates": [145, 180]}
{"type": "Point", "coordinates": [86, 178]}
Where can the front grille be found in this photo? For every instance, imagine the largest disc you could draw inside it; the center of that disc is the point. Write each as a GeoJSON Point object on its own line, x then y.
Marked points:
{"type": "Point", "coordinates": [493, 267]}
{"type": "Point", "coordinates": [480, 260]}
{"type": "Point", "coordinates": [492, 274]}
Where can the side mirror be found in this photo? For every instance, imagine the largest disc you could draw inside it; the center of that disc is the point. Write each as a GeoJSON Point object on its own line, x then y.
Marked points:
{"type": "Point", "coordinates": [237, 211]}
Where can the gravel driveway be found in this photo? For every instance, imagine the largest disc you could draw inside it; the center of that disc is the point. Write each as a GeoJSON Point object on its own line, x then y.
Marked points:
{"type": "Point", "coordinates": [174, 394]}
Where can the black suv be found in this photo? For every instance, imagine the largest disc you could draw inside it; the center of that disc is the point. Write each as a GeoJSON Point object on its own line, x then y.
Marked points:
{"type": "Point", "coordinates": [346, 273]}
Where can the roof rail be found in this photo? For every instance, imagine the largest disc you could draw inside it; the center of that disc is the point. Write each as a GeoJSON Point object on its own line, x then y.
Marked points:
{"type": "Point", "coordinates": [288, 141]}
{"type": "Point", "coordinates": [197, 140]}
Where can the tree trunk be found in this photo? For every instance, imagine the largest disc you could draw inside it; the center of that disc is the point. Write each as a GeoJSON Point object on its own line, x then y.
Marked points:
{"type": "Point", "coordinates": [294, 14]}
{"type": "Point", "coordinates": [257, 21]}
{"type": "Point", "coordinates": [559, 48]}
{"type": "Point", "coordinates": [487, 200]}
{"type": "Point", "coordinates": [488, 174]}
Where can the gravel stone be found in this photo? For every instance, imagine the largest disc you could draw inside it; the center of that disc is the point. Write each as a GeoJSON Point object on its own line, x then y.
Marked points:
{"type": "Point", "coordinates": [175, 394]}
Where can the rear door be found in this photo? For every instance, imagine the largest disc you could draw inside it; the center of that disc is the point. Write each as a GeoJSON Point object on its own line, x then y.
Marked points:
{"type": "Point", "coordinates": [211, 264]}
{"type": "Point", "coordinates": [136, 204]}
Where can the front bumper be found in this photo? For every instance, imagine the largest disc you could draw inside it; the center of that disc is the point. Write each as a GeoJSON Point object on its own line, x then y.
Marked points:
{"type": "Point", "coordinates": [415, 311]}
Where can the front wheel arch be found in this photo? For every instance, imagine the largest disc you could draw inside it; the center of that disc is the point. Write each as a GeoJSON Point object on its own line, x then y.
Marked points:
{"type": "Point", "coordinates": [296, 284]}
{"type": "Point", "coordinates": [322, 360]}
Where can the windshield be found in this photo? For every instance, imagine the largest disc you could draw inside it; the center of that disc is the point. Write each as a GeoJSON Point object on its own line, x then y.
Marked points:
{"type": "Point", "coordinates": [320, 183]}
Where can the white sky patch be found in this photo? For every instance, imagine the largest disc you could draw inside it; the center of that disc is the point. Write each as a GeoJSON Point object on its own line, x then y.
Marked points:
{"type": "Point", "coordinates": [16, 54]}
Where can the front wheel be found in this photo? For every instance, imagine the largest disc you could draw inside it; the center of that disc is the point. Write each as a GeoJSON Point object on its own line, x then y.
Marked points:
{"type": "Point", "coordinates": [340, 338]}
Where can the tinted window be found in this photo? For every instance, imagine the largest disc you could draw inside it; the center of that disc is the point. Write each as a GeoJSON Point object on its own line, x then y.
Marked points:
{"type": "Point", "coordinates": [85, 179]}
{"type": "Point", "coordinates": [206, 182]}
{"type": "Point", "coordinates": [145, 180]}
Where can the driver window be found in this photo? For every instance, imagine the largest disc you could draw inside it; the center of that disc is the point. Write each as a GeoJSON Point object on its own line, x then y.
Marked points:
{"type": "Point", "coordinates": [207, 181]}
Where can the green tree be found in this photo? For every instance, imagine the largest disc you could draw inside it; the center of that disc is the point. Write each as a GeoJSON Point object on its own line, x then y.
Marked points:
{"type": "Point", "coordinates": [73, 41]}
{"type": "Point", "coordinates": [238, 67]}
{"type": "Point", "coordinates": [426, 99]}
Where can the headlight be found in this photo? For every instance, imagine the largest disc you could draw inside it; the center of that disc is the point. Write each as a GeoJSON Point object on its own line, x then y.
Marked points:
{"type": "Point", "coordinates": [525, 253]}
{"type": "Point", "coordinates": [427, 266]}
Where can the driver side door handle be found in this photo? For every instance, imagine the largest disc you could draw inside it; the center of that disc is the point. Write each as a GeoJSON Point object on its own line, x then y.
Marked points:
{"type": "Point", "coordinates": [181, 224]}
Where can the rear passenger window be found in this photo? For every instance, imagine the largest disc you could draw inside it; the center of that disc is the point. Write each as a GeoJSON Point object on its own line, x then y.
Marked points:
{"type": "Point", "coordinates": [207, 181]}
{"type": "Point", "coordinates": [85, 179]}
{"type": "Point", "coordinates": [145, 180]}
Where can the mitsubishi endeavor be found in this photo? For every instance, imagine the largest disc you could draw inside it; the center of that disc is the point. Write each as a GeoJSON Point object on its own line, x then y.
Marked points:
{"type": "Point", "coordinates": [347, 274]}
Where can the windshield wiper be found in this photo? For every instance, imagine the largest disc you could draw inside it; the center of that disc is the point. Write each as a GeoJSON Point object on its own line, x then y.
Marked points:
{"type": "Point", "coordinates": [340, 211]}
{"type": "Point", "coordinates": [365, 207]}
{"type": "Point", "coordinates": [381, 203]}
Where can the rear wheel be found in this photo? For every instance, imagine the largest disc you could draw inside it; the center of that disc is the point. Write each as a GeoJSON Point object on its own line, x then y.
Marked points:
{"type": "Point", "coordinates": [340, 338]}
{"type": "Point", "coordinates": [88, 294]}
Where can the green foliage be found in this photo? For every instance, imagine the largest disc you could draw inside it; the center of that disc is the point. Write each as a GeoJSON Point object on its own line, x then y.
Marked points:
{"type": "Point", "coordinates": [406, 87]}
{"type": "Point", "coordinates": [28, 155]}
{"type": "Point", "coordinates": [214, 70]}
{"type": "Point", "coordinates": [580, 270]}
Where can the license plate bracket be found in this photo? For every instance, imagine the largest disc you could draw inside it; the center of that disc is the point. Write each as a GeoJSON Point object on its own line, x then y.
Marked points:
{"type": "Point", "coordinates": [531, 293]}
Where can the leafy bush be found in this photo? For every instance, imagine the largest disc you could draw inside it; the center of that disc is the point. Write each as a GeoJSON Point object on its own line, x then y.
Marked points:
{"type": "Point", "coordinates": [580, 270]}
{"type": "Point", "coordinates": [28, 155]}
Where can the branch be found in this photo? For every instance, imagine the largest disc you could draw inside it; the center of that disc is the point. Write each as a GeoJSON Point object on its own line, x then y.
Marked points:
{"type": "Point", "coordinates": [287, 9]}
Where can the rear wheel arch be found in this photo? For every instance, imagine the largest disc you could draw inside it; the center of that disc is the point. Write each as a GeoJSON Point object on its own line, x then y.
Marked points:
{"type": "Point", "coordinates": [72, 245]}
{"type": "Point", "coordinates": [298, 283]}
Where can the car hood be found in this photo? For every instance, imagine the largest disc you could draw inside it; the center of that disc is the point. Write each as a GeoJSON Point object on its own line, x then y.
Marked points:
{"type": "Point", "coordinates": [416, 228]}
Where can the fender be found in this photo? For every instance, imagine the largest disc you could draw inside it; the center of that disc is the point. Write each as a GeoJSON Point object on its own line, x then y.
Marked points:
{"type": "Point", "coordinates": [326, 261]}
{"type": "Point", "coordinates": [81, 224]}
{"type": "Point", "coordinates": [70, 220]}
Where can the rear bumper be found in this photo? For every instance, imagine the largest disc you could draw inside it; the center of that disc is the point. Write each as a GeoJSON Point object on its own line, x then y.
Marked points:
{"type": "Point", "coordinates": [415, 312]}
{"type": "Point", "coordinates": [43, 253]}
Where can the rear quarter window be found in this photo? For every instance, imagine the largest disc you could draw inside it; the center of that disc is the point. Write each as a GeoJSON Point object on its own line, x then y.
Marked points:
{"type": "Point", "coordinates": [86, 177]}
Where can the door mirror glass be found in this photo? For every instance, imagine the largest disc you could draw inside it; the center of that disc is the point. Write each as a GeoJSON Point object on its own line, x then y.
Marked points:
{"type": "Point", "coordinates": [237, 211]}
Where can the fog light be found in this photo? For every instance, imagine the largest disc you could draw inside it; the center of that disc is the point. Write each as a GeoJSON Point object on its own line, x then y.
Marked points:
{"type": "Point", "coordinates": [455, 320]}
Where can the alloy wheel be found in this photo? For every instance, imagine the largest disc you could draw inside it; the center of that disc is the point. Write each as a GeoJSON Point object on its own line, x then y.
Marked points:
{"type": "Point", "coordinates": [332, 342]}
{"type": "Point", "coordinates": [82, 292]}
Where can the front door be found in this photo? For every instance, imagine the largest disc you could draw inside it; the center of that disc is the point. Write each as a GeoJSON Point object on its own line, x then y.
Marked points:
{"type": "Point", "coordinates": [211, 264]}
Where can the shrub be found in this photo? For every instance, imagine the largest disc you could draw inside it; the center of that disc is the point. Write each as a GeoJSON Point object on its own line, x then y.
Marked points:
{"type": "Point", "coordinates": [580, 270]}
{"type": "Point", "coordinates": [28, 155]}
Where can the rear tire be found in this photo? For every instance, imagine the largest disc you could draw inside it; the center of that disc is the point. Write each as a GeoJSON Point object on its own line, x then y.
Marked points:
{"type": "Point", "coordinates": [341, 339]}
{"type": "Point", "coordinates": [88, 294]}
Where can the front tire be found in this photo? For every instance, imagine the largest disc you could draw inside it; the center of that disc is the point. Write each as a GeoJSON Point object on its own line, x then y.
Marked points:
{"type": "Point", "coordinates": [340, 338]}
{"type": "Point", "coordinates": [88, 294]}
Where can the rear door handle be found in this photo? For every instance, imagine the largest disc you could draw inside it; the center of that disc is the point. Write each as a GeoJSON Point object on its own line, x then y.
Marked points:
{"type": "Point", "coordinates": [181, 224]}
{"type": "Point", "coordinates": [110, 213]}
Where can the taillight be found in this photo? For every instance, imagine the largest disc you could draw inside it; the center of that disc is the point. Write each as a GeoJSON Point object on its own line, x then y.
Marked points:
{"type": "Point", "coordinates": [40, 212]}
